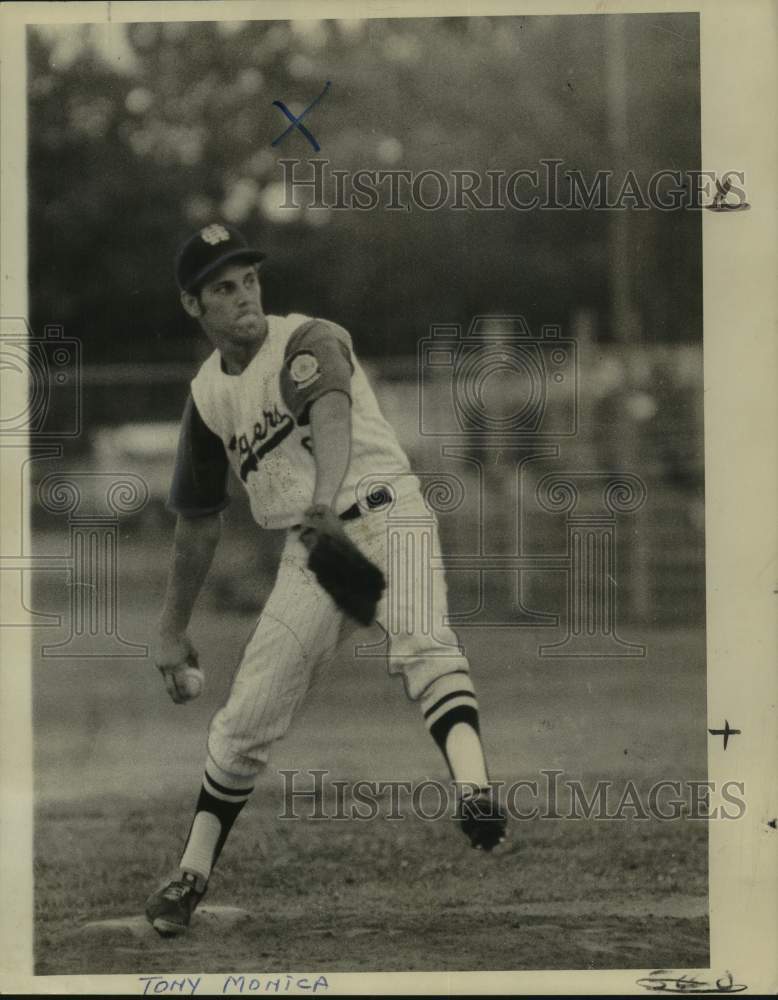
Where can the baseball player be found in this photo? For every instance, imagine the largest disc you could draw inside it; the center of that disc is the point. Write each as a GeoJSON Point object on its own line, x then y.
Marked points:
{"type": "Point", "coordinates": [284, 402]}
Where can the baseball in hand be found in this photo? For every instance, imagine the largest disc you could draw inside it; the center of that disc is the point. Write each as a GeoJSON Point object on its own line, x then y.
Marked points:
{"type": "Point", "coordinates": [190, 682]}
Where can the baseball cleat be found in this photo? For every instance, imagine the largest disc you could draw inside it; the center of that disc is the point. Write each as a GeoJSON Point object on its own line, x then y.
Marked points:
{"type": "Point", "coordinates": [482, 819]}
{"type": "Point", "coordinates": [170, 908]}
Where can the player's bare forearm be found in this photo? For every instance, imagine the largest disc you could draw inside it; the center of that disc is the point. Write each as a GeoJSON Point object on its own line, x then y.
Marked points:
{"type": "Point", "coordinates": [331, 433]}
{"type": "Point", "coordinates": [195, 542]}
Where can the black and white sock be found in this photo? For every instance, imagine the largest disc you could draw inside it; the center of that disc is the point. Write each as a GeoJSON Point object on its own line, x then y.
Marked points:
{"type": "Point", "coordinates": [450, 712]}
{"type": "Point", "coordinates": [217, 809]}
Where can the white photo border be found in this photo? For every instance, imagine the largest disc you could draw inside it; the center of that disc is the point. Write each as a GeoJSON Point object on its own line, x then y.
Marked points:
{"type": "Point", "coordinates": [738, 88]}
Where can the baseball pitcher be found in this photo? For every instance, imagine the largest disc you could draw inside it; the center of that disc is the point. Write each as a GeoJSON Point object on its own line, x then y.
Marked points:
{"type": "Point", "coordinates": [284, 402]}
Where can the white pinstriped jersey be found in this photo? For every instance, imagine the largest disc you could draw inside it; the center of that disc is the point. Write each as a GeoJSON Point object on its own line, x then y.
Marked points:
{"type": "Point", "coordinates": [261, 417]}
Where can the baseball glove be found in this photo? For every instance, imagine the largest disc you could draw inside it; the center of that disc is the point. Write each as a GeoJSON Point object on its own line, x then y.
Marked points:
{"type": "Point", "coordinates": [351, 580]}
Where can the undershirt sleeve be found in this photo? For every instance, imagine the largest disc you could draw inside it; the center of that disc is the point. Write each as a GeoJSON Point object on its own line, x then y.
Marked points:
{"type": "Point", "coordinates": [201, 470]}
{"type": "Point", "coordinates": [318, 361]}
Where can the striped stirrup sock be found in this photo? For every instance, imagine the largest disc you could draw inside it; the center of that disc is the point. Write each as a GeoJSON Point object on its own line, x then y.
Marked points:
{"type": "Point", "coordinates": [217, 809]}
{"type": "Point", "coordinates": [450, 712]}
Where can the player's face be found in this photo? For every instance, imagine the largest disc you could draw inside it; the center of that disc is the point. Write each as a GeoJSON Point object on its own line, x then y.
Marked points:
{"type": "Point", "coordinates": [229, 305]}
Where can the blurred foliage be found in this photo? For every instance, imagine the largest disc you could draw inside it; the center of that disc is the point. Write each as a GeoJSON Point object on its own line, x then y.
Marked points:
{"type": "Point", "coordinates": [140, 132]}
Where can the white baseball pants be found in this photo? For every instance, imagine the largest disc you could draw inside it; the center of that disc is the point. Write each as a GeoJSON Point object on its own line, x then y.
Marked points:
{"type": "Point", "coordinates": [300, 629]}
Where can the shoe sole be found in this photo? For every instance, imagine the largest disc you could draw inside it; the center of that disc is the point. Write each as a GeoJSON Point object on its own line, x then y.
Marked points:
{"type": "Point", "coordinates": [488, 848]}
{"type": "Point", "coordinates": [167, 928]}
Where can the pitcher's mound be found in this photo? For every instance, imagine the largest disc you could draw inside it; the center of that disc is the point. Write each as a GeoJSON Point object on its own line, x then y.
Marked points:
{"type": "Point", "coordinates": [205, 918]}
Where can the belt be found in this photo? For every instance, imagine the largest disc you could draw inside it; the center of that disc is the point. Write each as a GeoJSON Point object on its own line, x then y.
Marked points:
{"type": "Point", "coordinates": [375, 501]}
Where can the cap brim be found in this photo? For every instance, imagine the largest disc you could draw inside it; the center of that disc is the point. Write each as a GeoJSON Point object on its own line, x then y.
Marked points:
{"type": "Point", "coordinates": [245, 253]}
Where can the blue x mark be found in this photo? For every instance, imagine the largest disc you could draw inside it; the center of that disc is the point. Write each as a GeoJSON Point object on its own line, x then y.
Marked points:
{"type": "Point", "coordinates": [297, 121]}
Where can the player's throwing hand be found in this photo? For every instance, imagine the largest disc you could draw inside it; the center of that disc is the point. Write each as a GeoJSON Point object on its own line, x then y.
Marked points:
{"type": "Point", "coordinates": [177, 661]}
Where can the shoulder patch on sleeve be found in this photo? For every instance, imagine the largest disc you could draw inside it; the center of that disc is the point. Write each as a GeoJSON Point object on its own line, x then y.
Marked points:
{"type": "Point", "coordinates": [304, 368]}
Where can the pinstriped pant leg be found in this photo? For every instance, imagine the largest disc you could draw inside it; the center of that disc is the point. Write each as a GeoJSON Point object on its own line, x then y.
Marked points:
{"type": "Point", "coordinates": [298, 625]}
{"type": "Point", "coordinates": [422, 648]}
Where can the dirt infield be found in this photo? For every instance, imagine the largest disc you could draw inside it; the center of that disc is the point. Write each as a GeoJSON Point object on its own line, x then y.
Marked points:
{"type": "Point", "coordinates": [117, 770]}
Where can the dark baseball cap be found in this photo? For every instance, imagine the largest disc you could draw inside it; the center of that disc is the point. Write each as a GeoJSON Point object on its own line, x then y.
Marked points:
{"type": "Point", "coordinates": [209, 248]}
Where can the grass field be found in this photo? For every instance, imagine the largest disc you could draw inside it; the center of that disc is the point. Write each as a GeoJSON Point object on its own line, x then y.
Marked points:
{"type": "Point", "coordinates": [118, 767]}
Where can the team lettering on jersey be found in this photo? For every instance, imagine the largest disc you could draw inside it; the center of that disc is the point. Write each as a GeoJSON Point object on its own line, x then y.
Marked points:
{"type": "Point", "coordinates": [252, 452]}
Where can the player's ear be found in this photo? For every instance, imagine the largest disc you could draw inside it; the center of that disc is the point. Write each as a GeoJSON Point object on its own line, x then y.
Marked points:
{"type": "Point", "coordinates": [191, 305]}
